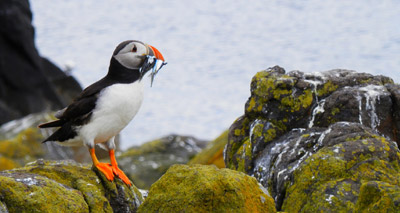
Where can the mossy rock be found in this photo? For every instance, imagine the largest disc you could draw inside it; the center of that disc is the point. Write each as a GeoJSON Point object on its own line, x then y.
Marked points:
{"type": "Point", "coordinates": [213, 153]}
{"type": "Point", "coordinates": [64, 186]}
{"type": "Point", "coordinates": [35, 193]}
{"type": "Point", "coordinates": [377, 196]}
{"type": "Point", "coordinates": [145, 164]}
{"type": "Point", "coordinates": [281, 101]}
{"type": "Point", "coordinates": [204, 188]}
{"type": "Point", "coordinates": [349, 174]}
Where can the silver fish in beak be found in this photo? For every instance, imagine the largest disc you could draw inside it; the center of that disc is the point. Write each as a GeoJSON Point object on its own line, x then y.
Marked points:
{"type": "Point", "coordinates": [157, 66]}
{"type": "Point", "coordinates": [154, 61]}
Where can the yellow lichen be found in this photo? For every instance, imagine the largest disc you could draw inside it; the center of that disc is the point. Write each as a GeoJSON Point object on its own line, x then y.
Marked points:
{"type": "Point", "coordinates": [335, 111]}
{"type": "Point", "coordinates": [252, 104]}
{"type": "Point", "coordinates": [327, 89]}
{"type": "Point", "coordinates": [199, 188]}
{"type": "Point", "coordinates": [328, 169]}
{"type": "Point", "coordinates": [296, 103]}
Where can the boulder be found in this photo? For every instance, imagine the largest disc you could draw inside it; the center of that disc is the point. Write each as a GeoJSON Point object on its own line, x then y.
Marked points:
{"type": "Point", "coordinates": [325, 169]}
{"type": "Point", "coordinates": [28, 82]}
{"type": "Point", "coordinates": [201, 188]}
{"type": "Point", "coordinates": [64, 186]}
{"type": "Point", "coordinates": [340, 126]}
{"type": "Point", "coordinates": [145, 164]}
{"type": "Point", "coordinates": [213, 153]}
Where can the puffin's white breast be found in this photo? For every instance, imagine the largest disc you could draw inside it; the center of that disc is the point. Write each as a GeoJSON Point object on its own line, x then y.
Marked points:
{"type": "Point", "coordinates": [115, 108]}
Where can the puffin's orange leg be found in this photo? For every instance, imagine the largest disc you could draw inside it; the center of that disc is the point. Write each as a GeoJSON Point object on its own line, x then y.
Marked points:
{"type": "Point", "coordinates": [118, 172]}
{"type": "Point", "coordinates": [105, 168]}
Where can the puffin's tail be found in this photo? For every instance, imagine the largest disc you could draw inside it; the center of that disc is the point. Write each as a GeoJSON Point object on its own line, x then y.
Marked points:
{"type": "Point", "coordinates": [64, 133]}
{"type": "Point", "coordinates": [55, 123]}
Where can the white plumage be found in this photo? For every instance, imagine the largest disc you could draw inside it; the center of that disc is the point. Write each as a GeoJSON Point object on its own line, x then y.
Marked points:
{"type": "Point", "coordinates": [116, 107]}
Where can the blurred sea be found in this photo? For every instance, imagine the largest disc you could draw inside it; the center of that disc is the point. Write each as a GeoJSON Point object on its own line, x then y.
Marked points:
{"type": "Point", "coordinates": [214, 47]}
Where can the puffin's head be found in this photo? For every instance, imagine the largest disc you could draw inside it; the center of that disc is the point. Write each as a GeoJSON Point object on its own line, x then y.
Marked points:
{"type": "Point", "coordinates": [137, 55]}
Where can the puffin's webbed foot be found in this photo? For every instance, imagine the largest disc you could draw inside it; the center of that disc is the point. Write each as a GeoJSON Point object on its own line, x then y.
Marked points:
{"type": "Point", "coordinates": [106, 169]}
{"type": "Point", "coordinates": [119, 173]}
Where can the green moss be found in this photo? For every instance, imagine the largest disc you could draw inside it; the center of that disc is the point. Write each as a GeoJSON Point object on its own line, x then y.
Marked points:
{"type": "Point", "coordinates": [237, 132]}
{"type": "Point", "coordinates": [241, 133]}
{"type": "Point", "coordinates": [268, 85]}
{"type": "Point", "coordinates": [366, 81]}
{"type": "Point", "coordinates": [199, 188]}
{"type": "Point", "coordinates": [371, 148]}
{"type": "Point", "coordinates": [258, 130]}
{"type": "Point", "coordinates": [39, 194]}
{"type": "Point", "coordinates": [95, 190]}
{"type": "Point", "coordinates": [264, 86]}
{"type": "Point", "coordinates": [358, 137]}
{"type": "Point", "coordinates": [261, 75]}
{"type": "Point", "coordinates": [335, 110]}
{"type": "Point", "coordinates": [270, 135]}
{"type": "Point", "coordinates": [243, 156]}
{"type": "Point", "coordinates": [296, 103]}
{"type": "Point", "coordinates": [328, 88]}
{"type": "Point", "coordinates": [252, 104]}
{"type": "Point", "coordinates": [377, 196]}
{"type": "Point", "coordinates": [330, 179]}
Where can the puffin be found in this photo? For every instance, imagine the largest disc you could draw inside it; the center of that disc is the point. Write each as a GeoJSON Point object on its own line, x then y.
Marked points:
{"type": "Point", "coordinates": [104, 108]}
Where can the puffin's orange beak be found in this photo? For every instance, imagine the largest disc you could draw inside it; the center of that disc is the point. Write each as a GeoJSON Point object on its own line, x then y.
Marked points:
{"type": "Point", "coordinates": [157, 53]}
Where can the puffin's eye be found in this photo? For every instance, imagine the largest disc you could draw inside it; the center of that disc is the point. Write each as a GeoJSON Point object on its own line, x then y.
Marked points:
{"type": "Point", "coordinates": [134, 48]}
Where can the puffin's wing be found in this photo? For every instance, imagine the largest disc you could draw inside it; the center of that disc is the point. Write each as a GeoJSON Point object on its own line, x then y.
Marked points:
{"type": "Point", "coordinates": [75, 114]}
{"type": "Point", "coordinates": [84, 104]}
{"type": "Point", "coordinates": [80, 110]}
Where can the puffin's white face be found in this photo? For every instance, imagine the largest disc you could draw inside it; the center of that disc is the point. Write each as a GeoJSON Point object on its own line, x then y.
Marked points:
{"type": "Point", "coordinates": [138, 55]}
{"type": "Point", "coordinates": [132, 55]}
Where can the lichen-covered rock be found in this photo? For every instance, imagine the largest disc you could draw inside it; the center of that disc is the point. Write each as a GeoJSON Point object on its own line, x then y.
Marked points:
{"type": "Point", "coordinates": [330, 170]}
{"type": "Point", "coordinates": [331, 123]}
{"type": "Point", "coordinates": [147, 163]}
{"type": "Point", "coordinates": [201, 188]}
{"type": "Point", "coordinates": [281, 102]}
{"type": "Point", "coordinates": [213, 153]}
{"type": "Point", "coordinates": [378, 196]}
{"type": "Point", "coordinates": [64, 186]}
